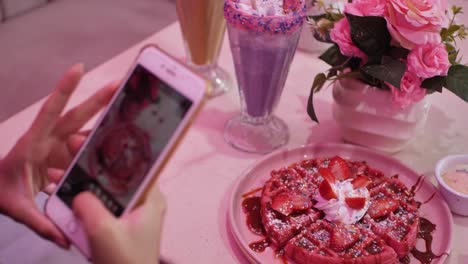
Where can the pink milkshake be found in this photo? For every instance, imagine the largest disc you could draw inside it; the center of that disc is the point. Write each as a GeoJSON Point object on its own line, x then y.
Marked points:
{"type": "Point", "coordinates": [263, 35]}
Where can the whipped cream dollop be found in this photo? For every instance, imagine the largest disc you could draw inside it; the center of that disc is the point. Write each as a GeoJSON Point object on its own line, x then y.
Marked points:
{"type": "Point", "coordinates": [262, 7]}
{"type": "Point", "coordinates": [336, 210]}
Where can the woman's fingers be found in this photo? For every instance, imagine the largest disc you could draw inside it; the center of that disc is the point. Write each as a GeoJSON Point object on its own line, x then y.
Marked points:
{"type": "Point", "coordinates": [64, 152]}
{"type": "Point", "coordinates": [153, 214]}
{"type": "Point", "coordinates": [55, 175]}
{"type": "Point", "coordinates": [55, 103]}
{"type": "Point", "coordinates": [49, 189]}
{"type": "Point", "coordinates": [77, 117]}
{"type": "Point", "coordinates": [85, 132]}
{"type": "Point", "coordinates": [95, 217]}
{"type": "Point", "coordinates": [30, 215]}
{"type": "Point", "coordinates": [74, 143]}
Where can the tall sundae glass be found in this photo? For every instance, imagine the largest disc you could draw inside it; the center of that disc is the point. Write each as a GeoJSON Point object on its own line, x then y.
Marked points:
{"type": "Point", "coordinates": [263, 35]}
{"type": "Point", "coordinates": [202, 24]}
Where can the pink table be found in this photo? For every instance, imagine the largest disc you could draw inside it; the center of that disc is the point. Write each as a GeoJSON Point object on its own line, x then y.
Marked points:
{"type": "Point", "coordinates": [198, 179]}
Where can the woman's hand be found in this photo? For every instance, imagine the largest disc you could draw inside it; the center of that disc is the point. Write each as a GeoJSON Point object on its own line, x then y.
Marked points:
{"type": "Point", "coordinates": [133, 238]}
{"type": "Point", "coordinates": [43, 153]}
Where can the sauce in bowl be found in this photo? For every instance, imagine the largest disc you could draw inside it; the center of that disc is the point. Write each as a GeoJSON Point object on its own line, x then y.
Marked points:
{"type": "Point", "coordinates": [457, 178]}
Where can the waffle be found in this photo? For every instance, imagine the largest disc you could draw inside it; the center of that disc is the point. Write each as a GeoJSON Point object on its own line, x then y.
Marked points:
{"type": "Point", "coordinates": [386, 233]}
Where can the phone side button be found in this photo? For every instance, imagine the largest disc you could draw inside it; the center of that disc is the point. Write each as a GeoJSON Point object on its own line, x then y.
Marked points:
{"type": "Point", "coordinates": [72, 226]}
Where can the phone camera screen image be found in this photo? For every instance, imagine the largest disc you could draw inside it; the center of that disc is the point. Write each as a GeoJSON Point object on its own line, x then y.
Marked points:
{"type": "Point", "coordinates": [127, 142]}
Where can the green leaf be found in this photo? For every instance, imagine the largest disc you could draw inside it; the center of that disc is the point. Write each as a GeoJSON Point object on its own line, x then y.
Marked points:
{"type": "Point", "coordinates": [317, 18]}
{"type": "Point", "coordinates": [336, 16]}
{"type": "Point", "coordinates": [391, 71]}
{"type": "Point", "coordinates": [370, 34]}
{"type": "Point", "coordinates": [457, 81]}
{"type": "Point", "coordinates": [352, 74]}
{"type": "Point", "coordinates": [372, 81]}
{"type": "Point", "coordinates": [328, 16]}
{"type": "Point", "coordinates": [456, 10]}
{"type": "Point", "coordinates": [430, 91]}
{"type": "Point", "coordinates": [462, 33]}
{"type": "Point", "coordinates": [374, 60]}
{"type": "Point", "coordinates": [332, 73]}
{"type": "Point", "coordinates": [452, 29]}
{"type": "Point", "coordinates": [399, 52]}
{"type": "Point", "coordinates": [310, 107]}
{"type": "Point", "coordinates": [354, 63]}
{"type": "Point", "coordinates": [435, 83]}
{"type": "Point", "coordinates": [319, 81]}
{"type": "Point", "coordinates": [452, 53]}
{"type": "Point", "coordinates": [322, 31]}
{"type": "Point", "coordinates": [444, 34]}
{"type": "Point", "coordinates": [333, 56]}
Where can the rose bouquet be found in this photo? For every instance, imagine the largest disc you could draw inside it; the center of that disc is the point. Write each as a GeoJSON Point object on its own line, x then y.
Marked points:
{"type": "Point", "coordinates": [407, 47]}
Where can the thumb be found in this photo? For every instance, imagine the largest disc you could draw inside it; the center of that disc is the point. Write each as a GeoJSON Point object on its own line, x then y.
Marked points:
{"type": "Point", "coordinates": [94, 217]}
{"type": "Point", "coordinates": [155, 203]}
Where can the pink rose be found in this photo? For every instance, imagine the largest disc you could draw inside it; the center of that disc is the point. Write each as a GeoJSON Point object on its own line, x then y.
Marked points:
{"type": "Point", "coordinates": [341, 35]}
{"type": "Point", "coordinates": [416, 22]}
{"type": "Point", "coordinates": [429, 60]}
{"type": "Point", "coordinates": [366, 7]}
{"type": "Point", "coordinates": [410, 90]}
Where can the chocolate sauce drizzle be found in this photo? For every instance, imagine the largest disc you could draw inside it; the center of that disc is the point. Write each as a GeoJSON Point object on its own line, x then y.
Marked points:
{"type": "Point", "coordinates": [251, 207]}
{"type": "Point", "coordinates": [417, 185]}
{"type": "Point", "coordinates": [418, 204]}
{"type": "Point", "coordinates": [261, 245]}
{"type": "Point", "coordinates": [247, 194]}
{"type": "Point", "coordinates": [405, 260]}
{"type": "Point", "coordinates": [426, 228]}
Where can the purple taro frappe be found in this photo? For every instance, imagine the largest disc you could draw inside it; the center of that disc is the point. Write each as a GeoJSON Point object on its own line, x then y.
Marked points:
{"type": "Point", "coordinates": [263, 35]}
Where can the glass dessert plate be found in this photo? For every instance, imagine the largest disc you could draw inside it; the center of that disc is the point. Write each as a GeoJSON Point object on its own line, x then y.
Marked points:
{"type": "Point", "coordinates": [436, 210]}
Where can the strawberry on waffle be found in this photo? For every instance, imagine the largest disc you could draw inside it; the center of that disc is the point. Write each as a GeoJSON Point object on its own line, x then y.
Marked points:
{"type": "Point", "coordinates": [337, 211]}
{"type": "Point", "coordinates": [288, 191]}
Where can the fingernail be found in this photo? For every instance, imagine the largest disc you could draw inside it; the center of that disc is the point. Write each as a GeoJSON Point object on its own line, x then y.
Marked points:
{"type": "Point", "coordinates": [63, 243]}
{"type": "Point", "coordinates": [66, 245]}
{"type": "Point", "coordinates": [115, 83]}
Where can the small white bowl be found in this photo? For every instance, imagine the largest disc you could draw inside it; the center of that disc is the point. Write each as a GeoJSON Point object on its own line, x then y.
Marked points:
{"type": "Point", "coordinates": [457, 201]}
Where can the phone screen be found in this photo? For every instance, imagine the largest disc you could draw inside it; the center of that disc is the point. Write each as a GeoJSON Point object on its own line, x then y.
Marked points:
{"type": "Point", "coordinates": [127, 142]}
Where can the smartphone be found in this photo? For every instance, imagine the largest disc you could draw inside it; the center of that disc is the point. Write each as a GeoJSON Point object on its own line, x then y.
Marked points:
{"type": "Point", "coordinates": [131, 141]}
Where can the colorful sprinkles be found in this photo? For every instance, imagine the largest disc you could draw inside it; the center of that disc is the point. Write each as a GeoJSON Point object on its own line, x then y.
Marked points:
{"type": "Point", "coordinates": [284, 24]}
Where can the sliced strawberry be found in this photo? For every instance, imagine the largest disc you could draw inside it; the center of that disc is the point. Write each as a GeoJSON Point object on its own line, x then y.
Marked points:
{"type": "Point", "coordinates": [327, 175]}
{"type": "Point", "coordinates": [300, 202]}
{"type": "Point", "coordinates": [356, 202]}
{"type": "Point", "coordinates": [361, 182]}
{"type": "Point", "coordinates": [326, 190]}
{"type": "Point", "coordinates": [382, 207]}
{"type": "Point", "coordinates": [287, 203]}
{"type": "Point", "coordinates": [343, 238]}
{"type": "Point", "coordinates": [339, 168]}
{"type": "Point", "coordinates": [282, 203]}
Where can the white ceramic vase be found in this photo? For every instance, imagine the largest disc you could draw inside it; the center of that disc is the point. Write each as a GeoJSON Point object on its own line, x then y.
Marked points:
{"type": "Point", "coordinates": [367, 116]}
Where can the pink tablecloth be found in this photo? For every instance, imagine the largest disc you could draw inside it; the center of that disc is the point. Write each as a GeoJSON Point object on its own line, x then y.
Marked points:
{"type": "Point", "coordinates": [198, 179]}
